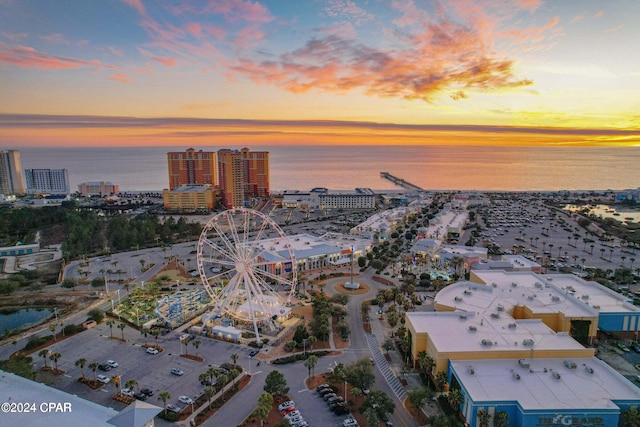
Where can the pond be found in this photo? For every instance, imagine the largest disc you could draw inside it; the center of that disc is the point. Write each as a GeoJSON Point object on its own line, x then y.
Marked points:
{"type": "Point", "coordinates": [24, 317]}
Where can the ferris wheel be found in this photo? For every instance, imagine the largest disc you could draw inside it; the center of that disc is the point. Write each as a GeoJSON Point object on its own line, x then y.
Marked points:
{"type": "Point", "coordinates": [247, 266]}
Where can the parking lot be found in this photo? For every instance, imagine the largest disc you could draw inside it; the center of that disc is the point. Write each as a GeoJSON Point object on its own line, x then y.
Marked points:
{"type": "Point", "coordinates": [150, 371]}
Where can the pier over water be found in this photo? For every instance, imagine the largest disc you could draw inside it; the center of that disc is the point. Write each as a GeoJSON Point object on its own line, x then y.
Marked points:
{"type": "Point", "coordinates": [399, 181]}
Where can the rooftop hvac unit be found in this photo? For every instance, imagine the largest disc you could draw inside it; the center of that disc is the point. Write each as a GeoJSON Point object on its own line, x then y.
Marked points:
{"type": "Point", "coordinates": [589, 369]}
{"type": "Point", "coordinates": [470, 370]}
{"type": "Point", "coordinates": [500, 307]}
{"type": "Point", "coordinates": [514, 285]}
{"type": "Point", "coordinates": [472, 328]}
{"type": "Point", "coordinates": [515, 375]}
{"type": "Point", "coordinates": [556, 375]}
{"type": "Point", "coordinates": [495, 315]}
{"type": "Point", "coordinates": [487, 342]}
{"type": "Point", "coordinates": [462, 317]}
{"type": "Point", "coordinates": [512, 325]}
{"type": "Point", "coordinates": [570, 364]}
{"type": "Point", "coordinates": [555, 298]}
{"type": "Point", "coordinates": [538, 285]}
{"type": "Point", "coordinates": [523, 363]}
{"type": "Point", "coordinates": [597, 307]}
{"type": "Point", "coordinates": [585, 297]}
{"type": "Point", "coordinates": [528, 342]}
{"type": "Point", "coordinates": [468, 292]}
{"type": "Point", "coordinates": [530, 297]}
{"type": "Point", "coordinates": [494, 284]}
{"type": "Point", "coordinates": [458, 299]}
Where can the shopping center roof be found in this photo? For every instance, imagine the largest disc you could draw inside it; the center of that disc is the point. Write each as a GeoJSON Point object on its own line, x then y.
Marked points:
{"type": "Point", "coordinates": [546, 384]}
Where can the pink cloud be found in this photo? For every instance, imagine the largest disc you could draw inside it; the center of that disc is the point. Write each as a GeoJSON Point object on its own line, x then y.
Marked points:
{"type": "Point", "coordinates": [55, 38]}
{"type": "Point", "coordinates": [28, 57]}
{"type": "Point", "coordinates": [167, 62]}
{"type": "Point", "coordinates": [576, 18]}
{"type": "Point", "coordinates": [137, 5]}
{"type": "Point", "coordinates": [240, 11]}
{"type": "Point", "coordinates": [120, 77]}
{"type": "Point", "coordinates": [14, 37]}
{"type": "Point", "coordinates": [347, 10]}
{"type": "Point", "coordinates": [598, 14]}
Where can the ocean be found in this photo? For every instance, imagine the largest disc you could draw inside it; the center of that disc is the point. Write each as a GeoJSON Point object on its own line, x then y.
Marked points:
{"type": "Point", "coordinates": [432, 167]}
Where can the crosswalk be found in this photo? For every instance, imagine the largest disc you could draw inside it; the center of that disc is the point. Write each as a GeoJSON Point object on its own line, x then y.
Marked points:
{"type": "Point", "coordinates": [383, 365]}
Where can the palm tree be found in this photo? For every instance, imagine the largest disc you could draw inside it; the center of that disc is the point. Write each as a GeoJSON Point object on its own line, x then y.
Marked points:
{"type": "Point", "coordinates": [121, 326]}
{"type": "Point", "coordinates": [234, 358]}
{"type": "Point", "coordinates": [210, 391]}
{"type": "Point", "coordinates": [196, 344]}
{"type": "Point", "coordinates": [81, 362]}
{"type": "Point", "coordinates": [455, 399]}
{"type": "Point", "coordinates": [234, 374]}
{"type": "Point", "coordinates": [265, 403]}
{"type": "Point", "coordinates": [311, 340]}
{"type": "Point", "coordinates": [94, 367]}
{"type": "Point", "coordinates": [441, 380]}
{"type": "Point", "coordinates": [110, 323]}
{"type": "Point", "coordinates": [310, 363]}
{"type": "Point", "coordinates": [55, 356]}
{"type": "Point", "coordinates": [131, 384]}
{"type": "Point", "coordinates": [164, 396]}
{"type": "Point", "coordinates": [43, 353]}
{"type": "Point", "coordinates": [602, 252]}
{"type": "Point", "coordinates": [142, 263]}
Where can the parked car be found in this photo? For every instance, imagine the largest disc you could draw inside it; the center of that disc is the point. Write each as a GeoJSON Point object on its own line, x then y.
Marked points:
{"type": "Point", "coordinates": [293, 414]}
{"type": "Point", "coordinates": [340, 410]}
{"type": "Point", "coordinates": [104, 367]}
{"type": "Point", "coordinates": [152, 350]}
{"type": "Point", "coordinates": [335, 400]}
{"type": "Point", "coordinates": [325, 391]}
{"type": "Point", "coordinates": [350, 422]}
{"type": "Point", "coordinates": [112, 363]}
{"type": "Point", "coordinates": [140, 396]}
{"type": "Point", "coordinates": [329, 396]}
{"type": "Point", "coordinates": [185, 337]}
{"type": "Point", "coordinates": [174, 408]}
{"type": "Point", "coordinates": [176, 371]}
{"type": "Point", "coordinates": [186, 400]}
{"type": "Point", "coordinates": [126, 392]}
{"type": "Point", "coordinates": [103, 379]}
{"type": "Point", "coordinates": [147, 391]}
{"type": "Point", "coordinates": [254, 352]}
{"type": "Point", "coordinates": [322, 387]}
{"type": "Point", "coordinates": [285, 405]}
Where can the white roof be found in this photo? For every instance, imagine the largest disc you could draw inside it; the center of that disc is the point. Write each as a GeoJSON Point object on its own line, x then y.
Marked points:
{"type": "Point", "coordinates": [14, 388]}
{"type": "Point", "coordinates": [469, 332]}
{"type": "Point", "coordinates": [594, 294]}
{"type": "Point", "coordinates": [546, 384]}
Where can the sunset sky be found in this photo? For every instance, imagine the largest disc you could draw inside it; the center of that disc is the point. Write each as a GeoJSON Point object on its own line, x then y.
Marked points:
{"type": "Point", "coordinates": [238, 72]}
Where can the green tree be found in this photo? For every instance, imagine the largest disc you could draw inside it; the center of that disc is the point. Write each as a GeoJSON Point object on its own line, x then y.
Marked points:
{"type": "Point", "coordinates": [275, 383]}
{"type": "Point", "coordinates": [55, 356]}
{"type": "Point", "coordinates": [265, 403]}
{"type": "Point", "coordinates": [121, 326]}
{"type": "Point", "coordinates": [234, 357]}
{"type": "Point", "coordinates": [380, 403]}
{"type": "Point", "coordinates": [197, 344]}
{"type": "Point", "coordinates": [43, 353]}
{"type": "Point", "coordinates": [210, 391]}
{"type": "Point", "coordinates": [419, 396]}
{"type": "Point", "coordinates": [96, 315]}
{"type": "Point", "coordinates": [69, 283]}
{"type": "Point", "coordinates": [455, 399]}
{"type": "Point", "coordinates": [310, 363]}
{"type": "Point", "coordinates": [98, 282]}
{"type": "Point", "coordinates": [164, 396]}
{"type": "Point", "coordinates": [94, 367]}
{"type": "Point", "coordinates": [110, 324]}
{"type": "Point", "coordinates": [131, 384]}
{"type": "Point", "coordinates": [81, 362]}
{"type": "Point", "coordinates": [360, 374]}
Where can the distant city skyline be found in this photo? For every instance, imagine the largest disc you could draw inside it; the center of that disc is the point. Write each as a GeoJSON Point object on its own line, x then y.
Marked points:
{"type": "Point", "coordinates": [239, 72]}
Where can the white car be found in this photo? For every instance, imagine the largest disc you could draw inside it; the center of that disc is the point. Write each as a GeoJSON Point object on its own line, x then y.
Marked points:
{"type": "Point", "coordinates": [152, 350]}
{"type": "Point", "coordinates": [285, 405]}
{"type": "Point", "coordinates": [350, 422]}
{"type": "Point", "coordinates": [174, 408]}
{"type": "Point", "coordinates": [103, 379]}
{"type": "Point", "coordinates": [126, 392]}
{"type": "Point", "coordinates": [292, 415]}
{"type": "Point", "coordinates": [186, 400]}
{"type": "Point", "coordinates": [112, 363]}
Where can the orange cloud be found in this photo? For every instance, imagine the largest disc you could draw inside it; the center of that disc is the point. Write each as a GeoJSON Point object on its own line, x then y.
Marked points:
{"type": "Point", "coordinates": [120, 77]}
{"type": "Point", "coordinates": [28, 57]}
{"type": "Point", "coordinates": [167, 62]}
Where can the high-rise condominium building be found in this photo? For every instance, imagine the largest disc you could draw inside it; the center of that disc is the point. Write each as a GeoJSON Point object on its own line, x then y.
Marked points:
{"type": "Point", "coordinates": [242, 175]}
{"type": "Point", "coordinates": [192, 168]}
{"type": "Point", "coordinates": [47, 181]}
{"type": "Point", "coordinates": [11, 175]}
